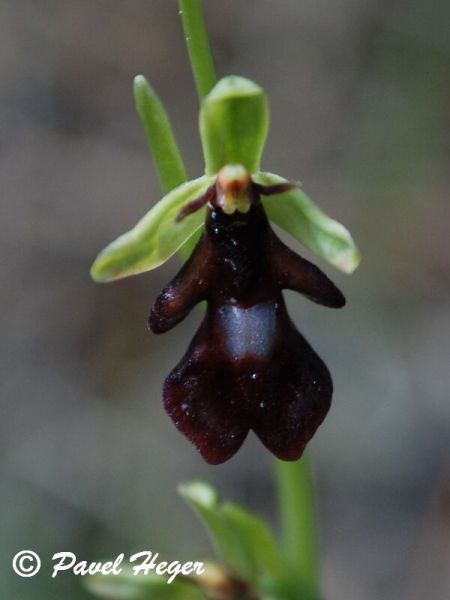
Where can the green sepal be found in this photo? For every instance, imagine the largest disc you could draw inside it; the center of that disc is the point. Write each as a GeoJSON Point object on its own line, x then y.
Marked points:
{"type": "Point", "coordinates": [242, 539]}
{"type": "Point", "coordinates": [187, 248]}
{"type": "Point", "coordinates": [234, 121]}
{"type": "Point", "coordinates": [127, 586]}
{"type": "Point", "coordinates": [155, 238]}
{"type": "Point", "coordinates": [297, 214]}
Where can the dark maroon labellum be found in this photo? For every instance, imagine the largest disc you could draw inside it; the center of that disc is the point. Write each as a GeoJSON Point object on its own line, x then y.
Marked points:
{"type": "Point", "coordinates": [247, 367]}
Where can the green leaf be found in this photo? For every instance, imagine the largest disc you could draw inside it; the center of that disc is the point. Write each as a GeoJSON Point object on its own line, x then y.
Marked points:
{"type": "Point", "coordinates": [155, 238]}
{"type": "Point", "coordinates": [234, 121]}
{"type": "Point", "coordinates": [275, 576]}
{"type": "Point", "coordinates": [243, 540]}
{"type": "Point", "coordinates": [161, 140]}
{"type": "Point", "coordinates": [205, 501]}
{"type": "Point", "coordinates": [289, 587]}
{"type": "Point", "coordinates": [297, 214]}
{"type": "Point", "coordinates": [126, 586]}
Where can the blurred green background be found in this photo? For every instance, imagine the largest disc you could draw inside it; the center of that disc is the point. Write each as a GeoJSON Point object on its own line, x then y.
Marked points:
{"type": "Point", "coordinates": [360, 95]}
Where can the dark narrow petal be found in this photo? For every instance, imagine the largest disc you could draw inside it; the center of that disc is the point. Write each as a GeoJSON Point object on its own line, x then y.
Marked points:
{"type": "Point", "coordinates": [277, 188]}
{"type": "Point", "coordinates": [295, 273]}
{"type": "Point", "coordinates": [197, 204]}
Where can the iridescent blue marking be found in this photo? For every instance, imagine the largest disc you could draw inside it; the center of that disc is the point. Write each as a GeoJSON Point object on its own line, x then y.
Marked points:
{"type": "Point", "coordinates": [248, 331]}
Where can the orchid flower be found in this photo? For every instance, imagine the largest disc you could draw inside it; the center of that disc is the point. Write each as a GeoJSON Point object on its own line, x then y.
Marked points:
{"type": "Point", "coordinates": [247, 368]}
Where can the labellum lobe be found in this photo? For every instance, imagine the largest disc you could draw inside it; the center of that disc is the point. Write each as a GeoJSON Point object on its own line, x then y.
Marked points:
{"type": "Point", "coordinates": [247, 366]}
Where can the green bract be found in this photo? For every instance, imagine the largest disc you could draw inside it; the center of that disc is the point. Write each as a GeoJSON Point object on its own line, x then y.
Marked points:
{"type": "Point", "coordinates": [242, 539]}
{"type": "Point", "coordinates": [155, 238]}
{"type": "Point", "coordinates": [297, 214]}
{"type": "Point", "coordinates": [234, 121]}
{"type": "Point", "coordinates": [246, 546]}
{"type": "Point", "coordinates": [157, 127]}
{"type": "Point", "coordinates": [127, 586]}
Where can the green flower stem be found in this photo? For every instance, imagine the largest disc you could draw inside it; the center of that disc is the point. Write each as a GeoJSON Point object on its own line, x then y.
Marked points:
{"type": "Point", "coordinates": [202, 65]}
{"type": "Point", "coordinates": [199, 49]}
{"type": "Point", "coordinates": [295, 488]}
{"type": "Point", "coordinates": [298, 516]}
{"type": "Point", "coordinates": [161, 140]}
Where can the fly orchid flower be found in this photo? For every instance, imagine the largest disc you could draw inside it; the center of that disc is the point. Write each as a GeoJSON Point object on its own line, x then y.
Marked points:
{"type": "Point", "coordinates": [247, 368]}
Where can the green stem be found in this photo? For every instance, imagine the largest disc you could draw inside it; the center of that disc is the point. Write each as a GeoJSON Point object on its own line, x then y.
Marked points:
{"type": "Point", "coordinates": [197, 40]}
{"type": "Point", "coordinates": [298, 516]}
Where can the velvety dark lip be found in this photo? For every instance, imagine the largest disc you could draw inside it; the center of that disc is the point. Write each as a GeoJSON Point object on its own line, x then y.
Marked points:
{"type": "Point", "coordinates": [240, 267]}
